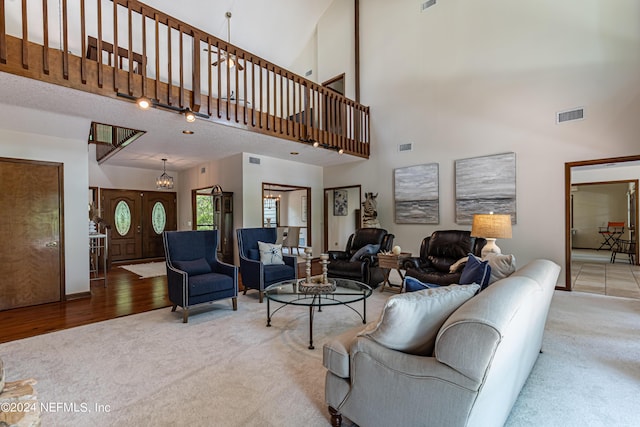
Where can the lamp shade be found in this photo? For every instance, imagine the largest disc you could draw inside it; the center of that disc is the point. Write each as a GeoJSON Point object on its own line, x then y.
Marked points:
{"type": "Point", "coordinates": [491, 226]}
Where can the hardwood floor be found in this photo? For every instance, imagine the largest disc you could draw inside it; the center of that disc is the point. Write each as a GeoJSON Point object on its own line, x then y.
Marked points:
{"type": "Point", "coordinates": [126, 294]}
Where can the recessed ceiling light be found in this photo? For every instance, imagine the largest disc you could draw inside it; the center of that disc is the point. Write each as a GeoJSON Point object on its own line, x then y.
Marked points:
{"type": "Point", "coordinates": [294, 153]}
{"type": "Point", "coordinates": [188, 132]}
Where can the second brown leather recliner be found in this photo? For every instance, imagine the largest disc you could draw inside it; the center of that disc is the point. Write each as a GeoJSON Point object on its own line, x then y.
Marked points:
{"type": "Point", "coordinates": [438, 252]}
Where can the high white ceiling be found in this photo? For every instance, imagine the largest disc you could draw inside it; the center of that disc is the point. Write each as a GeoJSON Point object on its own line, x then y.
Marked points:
{"type": "Point", "coordinates": [276, 30]}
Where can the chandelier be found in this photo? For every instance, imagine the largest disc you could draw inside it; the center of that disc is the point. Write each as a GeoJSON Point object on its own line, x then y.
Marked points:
{"type": "Point", "coordinates": [270, 200]}
{"type": "Point", "coordinates": [164, 181]}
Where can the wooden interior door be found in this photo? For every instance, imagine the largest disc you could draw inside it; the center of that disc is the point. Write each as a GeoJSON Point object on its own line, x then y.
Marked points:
{"type": "Point", "coordinates": [32, 266]}
{"type": "Point", "coordinates": [123, 212]}
{"type": "Point", "coordinates": [158, 215]}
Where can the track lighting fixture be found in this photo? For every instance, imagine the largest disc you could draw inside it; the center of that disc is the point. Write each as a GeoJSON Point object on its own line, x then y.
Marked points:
{"type": "Point", "coordinates": [143, 102]}
{"type": "Point", "coordinates": [189, 115]}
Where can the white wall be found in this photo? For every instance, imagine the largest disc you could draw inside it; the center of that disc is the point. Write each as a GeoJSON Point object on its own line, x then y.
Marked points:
{"type": "Point", "coordinates": [336, 44]}
{"type": "Point", "coordinates": [605, 173]}
{"type": "Point", "coordinates": [468, 79]}
{"type": "Point", "coordinates": [278, 171]}
{"type": "Point", "coordinates": [72, 153]}
{"type": "Point", "coordinates": [125, 178]}
{"type": "Point", "coordinates": [308, 60]}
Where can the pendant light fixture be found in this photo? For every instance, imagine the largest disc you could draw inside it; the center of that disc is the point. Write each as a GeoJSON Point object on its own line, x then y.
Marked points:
{"type": "Point", "coordinates": [164, 181]}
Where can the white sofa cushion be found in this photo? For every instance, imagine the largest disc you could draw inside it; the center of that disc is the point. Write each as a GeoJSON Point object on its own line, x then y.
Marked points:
{"type": "Point", "coordinates": [410, 322]}
{"type": "Point", "coordinates": [501, 266]}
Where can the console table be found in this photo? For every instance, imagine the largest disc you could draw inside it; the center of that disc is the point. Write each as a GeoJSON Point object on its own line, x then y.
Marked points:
{"type": "Point", "coordinates": [98, 245]}
{"type": "Point", "coordinates": [390, 262]}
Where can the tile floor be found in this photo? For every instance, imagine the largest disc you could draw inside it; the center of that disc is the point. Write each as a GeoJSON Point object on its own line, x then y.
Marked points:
{"type": "Point", "coordinates": [591, 271]}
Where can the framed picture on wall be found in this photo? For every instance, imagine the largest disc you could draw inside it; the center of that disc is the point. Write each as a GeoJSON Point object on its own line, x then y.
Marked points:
{"type": "Point", "coordinates": [416, 194]}
{"type": "Point", "coordinates": [486, 184]}
{"type": "Point", "coordinates": [340, 203]}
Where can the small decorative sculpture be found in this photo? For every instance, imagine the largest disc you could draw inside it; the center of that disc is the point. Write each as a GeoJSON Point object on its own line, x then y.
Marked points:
{"type": "Point", "coordinates": [307, 253]}
{"type": "Point", "coordinates": [318, 284]}
{"type": "Point", "coordinates": [370, 213]}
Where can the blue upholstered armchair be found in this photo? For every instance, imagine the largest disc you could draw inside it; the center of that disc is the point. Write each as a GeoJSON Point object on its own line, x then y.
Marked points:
{"type": "Point", "coordinates": [255, 274]}
{"type": "Point", "coordinates": [194, 273]}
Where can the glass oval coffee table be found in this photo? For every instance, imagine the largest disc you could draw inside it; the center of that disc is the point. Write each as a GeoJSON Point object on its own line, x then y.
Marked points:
{"type": "Point", "coordinates": [346, 292]}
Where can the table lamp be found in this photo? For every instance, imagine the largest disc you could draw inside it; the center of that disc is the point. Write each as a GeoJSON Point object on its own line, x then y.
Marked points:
{"type": "Point", "coordinates": [491, 227]}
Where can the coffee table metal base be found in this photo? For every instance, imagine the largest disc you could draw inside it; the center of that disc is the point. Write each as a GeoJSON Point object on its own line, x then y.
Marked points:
{"type": "Point", "coordinates": [316, 301]}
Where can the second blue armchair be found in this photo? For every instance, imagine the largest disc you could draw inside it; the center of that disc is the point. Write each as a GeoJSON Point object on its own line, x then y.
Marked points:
{"type": "Point", "coordinates": [255, 274]}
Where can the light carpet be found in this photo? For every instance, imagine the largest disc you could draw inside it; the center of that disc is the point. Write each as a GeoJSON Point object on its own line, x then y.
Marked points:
{"type": "Point", "coordinates": [226, 368]}
{"type": "Point", "coordinates": [149, 269]}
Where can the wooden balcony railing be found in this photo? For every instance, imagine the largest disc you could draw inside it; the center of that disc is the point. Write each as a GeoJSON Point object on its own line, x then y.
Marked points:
{"type": "Point", "coordinates": [128, 49]}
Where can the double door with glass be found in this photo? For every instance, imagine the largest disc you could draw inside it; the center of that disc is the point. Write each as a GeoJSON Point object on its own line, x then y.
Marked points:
{"type": "Point", "coordinates": [137, 220]}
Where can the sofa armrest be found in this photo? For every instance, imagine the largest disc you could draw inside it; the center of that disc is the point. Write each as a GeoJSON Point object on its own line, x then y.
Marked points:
{"type": "Point", "coordinates": [401, 381]}
{"type": "Point", "coordinates": [338, 255]}
{"type": "Point", "coordinates": [417, 263]}
{"type": "Point", "coordinates": [335, 353]}
{"type": "Point", "coordinates": [407, 365]}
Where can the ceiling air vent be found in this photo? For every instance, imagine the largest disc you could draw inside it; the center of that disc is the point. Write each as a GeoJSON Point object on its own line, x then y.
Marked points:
{"type": "Point", "coordinates": [426, 5]}
{"type": "Point", "coordinates": [405, 147]}
{"type": "Point", "coordinates": [566, 116]}
{"type": "Point", "coordinates": [254, 160]}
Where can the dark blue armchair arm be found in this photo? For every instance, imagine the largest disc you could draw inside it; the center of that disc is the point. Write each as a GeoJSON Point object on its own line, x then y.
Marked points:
{"type": "Point", "coordinates": [251, 271]}
{"type": "Point", "coordinates": [177, 285]}
{"type": "Point", "coordinates": [291, 261]}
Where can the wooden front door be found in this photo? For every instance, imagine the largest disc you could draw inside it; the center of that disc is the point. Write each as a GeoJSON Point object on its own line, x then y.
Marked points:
{"type": "Point", "coordinates": [31, 253]}
{"type": "Point", "coordinates": [122, 211]}
{"type": "Point", "coordinates": [159, 214]}
{"type": "Point", "coordinates": [137, 220]}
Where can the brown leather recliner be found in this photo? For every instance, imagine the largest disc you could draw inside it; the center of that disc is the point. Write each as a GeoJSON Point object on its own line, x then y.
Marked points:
{"type": "Point", "coordinates": [365, 268]}
{"type": "Point", "coordinates": [438, 252]}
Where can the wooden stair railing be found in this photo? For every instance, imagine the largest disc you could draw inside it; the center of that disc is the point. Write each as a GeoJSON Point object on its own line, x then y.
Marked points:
{"type": "Point", "coordinates": [170, 62]}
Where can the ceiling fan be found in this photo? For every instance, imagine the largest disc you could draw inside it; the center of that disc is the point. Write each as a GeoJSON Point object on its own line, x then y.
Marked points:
{"type": "Point", "coordinates": [231, 60]}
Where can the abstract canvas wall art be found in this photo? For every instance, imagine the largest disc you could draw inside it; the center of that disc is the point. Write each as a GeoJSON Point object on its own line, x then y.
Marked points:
{"type": "Point", "coordinates": [486, 184]}
{"type": "Point", "coordinates": [416, 190]}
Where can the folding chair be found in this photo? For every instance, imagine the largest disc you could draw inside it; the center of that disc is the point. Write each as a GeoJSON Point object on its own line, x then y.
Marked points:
{"type": "Point", "coordinates": [627, 247]}
{"type": "Point", "coordinates": [611, 233]}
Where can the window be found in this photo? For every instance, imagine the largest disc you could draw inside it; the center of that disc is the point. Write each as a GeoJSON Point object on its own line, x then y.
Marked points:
{"type": "Point", "coordinates": [203, 209]}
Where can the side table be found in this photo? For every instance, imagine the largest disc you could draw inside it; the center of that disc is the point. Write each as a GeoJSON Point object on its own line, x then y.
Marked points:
{"type": "Point", "coordinates": [392, 262]}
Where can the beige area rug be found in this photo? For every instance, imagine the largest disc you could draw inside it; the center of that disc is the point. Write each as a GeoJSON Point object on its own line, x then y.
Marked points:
{"type": "Point", "coordinates": [226, 368]}
{"type": "Point", "coordinates": [149, 269]}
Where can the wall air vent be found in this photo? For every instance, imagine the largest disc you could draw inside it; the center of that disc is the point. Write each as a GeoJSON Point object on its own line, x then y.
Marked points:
{"type": "Point", "coordinates": [566, 116]}
{"type": "Point", "coordinates": [254, 160]}
{"type": "Point", "coordinates": [405, 147]}
{"type": "Point", "coordinates": [308, 73]}
{"type": "Point", "coordinates": [426, 5]}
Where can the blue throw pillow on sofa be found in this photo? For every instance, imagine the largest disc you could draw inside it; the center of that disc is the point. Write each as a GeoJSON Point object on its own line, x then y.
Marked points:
{"type": "Point", "coordinates": [411, 284]}
{"type": "Point", "coordinates": [476, 271]}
